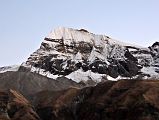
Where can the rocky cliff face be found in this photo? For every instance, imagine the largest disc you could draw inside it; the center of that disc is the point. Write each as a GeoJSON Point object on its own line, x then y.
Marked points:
{"type": "Point", "coordinates": [82, 56]}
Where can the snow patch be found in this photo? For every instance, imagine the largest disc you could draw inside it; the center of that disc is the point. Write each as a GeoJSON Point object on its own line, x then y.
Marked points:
{"type": "Point", "coordinates": [150, 71]}
{"type": "Point", "coordinates": [80, 75]}
{"type": "Point", "coordinates": [9, 68]}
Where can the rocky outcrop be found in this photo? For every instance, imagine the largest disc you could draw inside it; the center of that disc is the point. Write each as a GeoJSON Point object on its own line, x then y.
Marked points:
{"type": "Point", "coordinates": [13, 106]}
{"type": "Point", "coordinates": [20, 108]}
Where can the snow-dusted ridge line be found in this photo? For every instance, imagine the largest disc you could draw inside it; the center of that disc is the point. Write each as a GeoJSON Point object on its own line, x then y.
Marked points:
{"type": "Point", "coordinates": [75, 34]}
{"type": "Point", "coordinates": [9, 68]}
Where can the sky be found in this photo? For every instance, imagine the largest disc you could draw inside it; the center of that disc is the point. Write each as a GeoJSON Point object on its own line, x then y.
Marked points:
{"type": "Point", "coordinates": [25, 23]}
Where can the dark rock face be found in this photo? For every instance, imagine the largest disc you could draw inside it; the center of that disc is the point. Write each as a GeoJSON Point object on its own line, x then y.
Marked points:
{"type": "Point", "coordinates": [113, 71]}
{"type": "Point", "coordinates": [155, 44]}
{"type": "Point", "coordinates": [129, 56]}
{"type": "Point", "coordinates": [155, 53]}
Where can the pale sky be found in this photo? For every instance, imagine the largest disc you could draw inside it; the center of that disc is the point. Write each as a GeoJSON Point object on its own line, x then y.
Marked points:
{"type": "Point", "coordinates": [24, 23]}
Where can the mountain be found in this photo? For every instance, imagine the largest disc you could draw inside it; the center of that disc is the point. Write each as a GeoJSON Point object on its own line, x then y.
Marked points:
{"type": "Point", "coordinates": [77, 58]}
{"type": "Point", "coordinates": [29, 83]}
{"type": "Point", "coordinates": [111, 100]}
{"type": "Point", "coordinates": [78, 75]}
{"type": "Point", "coordinates": [81, 56]}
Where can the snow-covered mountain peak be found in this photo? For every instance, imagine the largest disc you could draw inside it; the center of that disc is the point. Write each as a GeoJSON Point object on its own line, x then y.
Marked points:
{"type": "Point", "coordinates": [79, 35]}
{"type": "Point", "coordinates": [70, 43]}
{"type": "Point", "coordinates": [69, 33]}
{"type": "Point", "coordinates": [75, 53]}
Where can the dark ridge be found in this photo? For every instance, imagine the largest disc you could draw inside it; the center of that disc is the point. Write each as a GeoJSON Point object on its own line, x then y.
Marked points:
{"type": "Point", "coordinates": [83, 30]}
{"type": "Point", "coordinates": [156, 43]}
